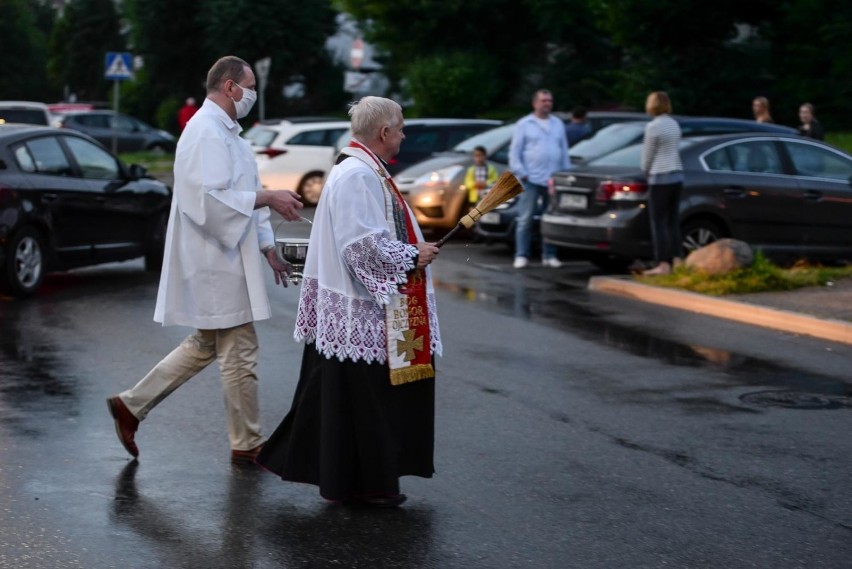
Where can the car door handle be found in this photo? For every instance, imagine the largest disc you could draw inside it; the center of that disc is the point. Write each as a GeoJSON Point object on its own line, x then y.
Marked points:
{"type": "Point", "coordinates": [48, 197]}
{"type": "Point", "coordinates": [813, 195]}
{"type": "Point", "coordinates": [734, 192]}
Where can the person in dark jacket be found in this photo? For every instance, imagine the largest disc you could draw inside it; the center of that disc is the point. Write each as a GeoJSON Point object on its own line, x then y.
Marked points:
{"type": "Point", "coordinates": [810, 127]}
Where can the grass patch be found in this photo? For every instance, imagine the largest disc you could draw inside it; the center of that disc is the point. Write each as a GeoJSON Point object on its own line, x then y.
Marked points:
{"type": "Point", "coordinates": [156, 163]}
{"type": "Point", "coordinates": [762, 276]}
{"type": "Point", "coordinates": [840, 139]}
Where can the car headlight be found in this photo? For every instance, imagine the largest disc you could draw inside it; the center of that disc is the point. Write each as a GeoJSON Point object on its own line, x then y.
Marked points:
{"type": "Point", "coordinates": [442, 176]}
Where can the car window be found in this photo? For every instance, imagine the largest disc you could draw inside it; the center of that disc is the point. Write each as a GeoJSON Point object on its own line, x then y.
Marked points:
{"type": "Point", "coordinates": [759, 156]}
{"type": "Point", "coordinates": [420, 140]}
{"type": "Point", "coordinates": [260, 136]}
{"type": "Point", "coordinates": [811, 160]}
{"type": "Point", "coordinates": [123, 123]}
{"type": "Point", "coordinates": [308, 138]}
{"type": "Point", "coordinates": [49, 157]}
{"type": "Point", "coordinates": [25, 161]}
{"type": "Point", "coordinates": [609, 138]}
{"type": "Point", "coordinates": [719, 160]}
{"type": "Point", "coordinates": [501, 155]}
{"type": "Point", "coordinates": [492, 139]}
{"type": "Point", "coordinates": [94, 121]}
{"type": "Point", "coordinates": [629, 156]}
{"type": "Point", "coordinates": [456, 135]}
{"type": "Point", "coordinates": [28, 116]}
{"type": "Point", "coordinates": [94, 162]}
{"type": "Point", "coordinates": [332, 134]}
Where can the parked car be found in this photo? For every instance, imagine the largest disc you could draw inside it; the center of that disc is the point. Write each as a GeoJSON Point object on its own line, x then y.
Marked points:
{"type": "Point", "coordinates": [269, 138]}
{"type": "Point", "coordinates": [434, 188]}
{"type": "Point", "coordinates": [615, 136]}
{"type": "Point", "coordinates": [788, 196]}
{"type": "Point", "coordinates": [67, 202]}
{"type": "Point", "coordinates": [425, 137]}
{"type": "Point", "coordinates": [131, 134]}
{"type": "Point", "coordinates": [296, 155]}
{"type": "Point", "coordinates": [26, 112]}
{"type": "Point", "coordinates": [500, 225]}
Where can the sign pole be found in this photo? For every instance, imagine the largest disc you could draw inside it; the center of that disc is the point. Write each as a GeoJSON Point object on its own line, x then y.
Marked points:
{"type": "Point", "coordinates": [115, 95]}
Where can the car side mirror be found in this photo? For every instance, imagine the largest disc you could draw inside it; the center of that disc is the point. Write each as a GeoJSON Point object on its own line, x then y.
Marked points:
{"type": "Point", "coordinates": [137, 172]}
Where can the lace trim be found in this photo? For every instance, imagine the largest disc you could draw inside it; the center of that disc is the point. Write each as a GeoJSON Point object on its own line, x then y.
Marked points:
{"type": "Point", "coordinates": [380, 264]}
{"type": "Point", "coordinates": [350, 328]}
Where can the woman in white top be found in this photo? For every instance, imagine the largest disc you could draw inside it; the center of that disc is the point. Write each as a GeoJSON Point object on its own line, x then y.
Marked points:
{"type": "Point", "coordinates": [664, 171]}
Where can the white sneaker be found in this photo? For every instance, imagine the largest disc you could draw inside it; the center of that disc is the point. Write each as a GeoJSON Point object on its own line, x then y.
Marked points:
{"type": "Point", "coordinates": [551, 262]}
{"type": "Point", "coordinates": [520, 262]}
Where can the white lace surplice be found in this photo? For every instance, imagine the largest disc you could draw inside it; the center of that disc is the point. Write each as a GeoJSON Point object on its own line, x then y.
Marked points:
{"type": "Point", "coordinates": [352, 269]}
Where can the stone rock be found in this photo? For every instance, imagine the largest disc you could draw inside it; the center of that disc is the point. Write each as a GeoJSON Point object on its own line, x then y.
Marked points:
{"type": "Point", "coordinates": [721, 257]}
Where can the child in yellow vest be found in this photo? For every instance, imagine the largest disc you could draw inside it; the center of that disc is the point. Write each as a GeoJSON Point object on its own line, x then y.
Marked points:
{"type": "Point", "coordinates": [480, 177]}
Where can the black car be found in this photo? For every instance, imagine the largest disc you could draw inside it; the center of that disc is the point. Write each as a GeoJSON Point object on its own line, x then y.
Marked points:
{"type": "Point", "coordinates": [130, 134]}
{"type": "Point", "coordinates": [66, 202]}
{"type": "Point", "coordinates": [788, 196]}
{"type": "Point", "coordinates": [500, 225]}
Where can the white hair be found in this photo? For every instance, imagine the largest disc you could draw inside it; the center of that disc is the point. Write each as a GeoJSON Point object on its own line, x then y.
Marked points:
{"type": "Point", "coordinates": [370, 114]}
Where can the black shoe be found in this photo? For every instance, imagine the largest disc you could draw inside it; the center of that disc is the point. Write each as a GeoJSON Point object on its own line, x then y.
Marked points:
{"type": "Point", "coordinates": [381, 500]}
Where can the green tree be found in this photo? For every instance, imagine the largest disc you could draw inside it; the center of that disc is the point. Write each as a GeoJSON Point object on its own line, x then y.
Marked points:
{"type": "Point", "coordinates": [23, 50]}
{"type": "Point", "coordinates": [292, 34]}
{"type": "Point", "coordinates": [87, 30]}
{"type": "Point", "coordinates": [170, 38]}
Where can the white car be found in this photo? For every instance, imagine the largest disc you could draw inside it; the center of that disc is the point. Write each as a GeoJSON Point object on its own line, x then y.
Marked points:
{"type": "Point", "coordinates": [295, 154]}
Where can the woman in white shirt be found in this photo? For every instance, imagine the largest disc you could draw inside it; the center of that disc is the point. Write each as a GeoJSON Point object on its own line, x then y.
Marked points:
{"type": "Point", "coordinates": [664, 171]}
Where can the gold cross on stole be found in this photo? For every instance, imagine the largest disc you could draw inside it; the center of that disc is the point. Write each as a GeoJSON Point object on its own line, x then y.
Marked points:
{"type": "Point", "coordinates": [409, 344]}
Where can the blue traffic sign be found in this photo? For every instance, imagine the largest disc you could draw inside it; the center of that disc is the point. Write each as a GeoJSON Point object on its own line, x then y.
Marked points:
{"type": "Point", "coordinates": [119, 66]}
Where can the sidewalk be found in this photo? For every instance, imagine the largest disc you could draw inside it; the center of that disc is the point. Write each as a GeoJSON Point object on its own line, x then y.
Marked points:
{"type": "Point", "coordinates": [823, 312]}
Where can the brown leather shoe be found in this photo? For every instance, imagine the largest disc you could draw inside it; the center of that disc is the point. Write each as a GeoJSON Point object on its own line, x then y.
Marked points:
{"type": "Point", "coordinates": [245, 456]}
{"type": "Point", "coordinates": [125, 424]}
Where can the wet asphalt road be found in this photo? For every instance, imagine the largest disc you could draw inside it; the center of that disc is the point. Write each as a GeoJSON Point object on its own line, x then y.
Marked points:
{"type": "Point", "coordinates": [573, 430]}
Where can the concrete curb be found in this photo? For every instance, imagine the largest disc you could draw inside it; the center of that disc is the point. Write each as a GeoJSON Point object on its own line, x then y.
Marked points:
{"type": "Point", "coordinates": [784, 320]}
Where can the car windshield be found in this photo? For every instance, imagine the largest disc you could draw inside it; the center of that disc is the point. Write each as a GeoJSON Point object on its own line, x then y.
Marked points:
{"type": "Point", "coordinates": [608, 139]}
{"type": "Point", "coordinates": [630, 156]}
{"type": "Point", "coordinates": [490, 139]}
{"type": "Point", "coordinates": [28, 116]}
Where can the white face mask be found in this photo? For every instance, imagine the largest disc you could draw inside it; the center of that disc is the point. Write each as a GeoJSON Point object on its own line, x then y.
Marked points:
{"type": "Point", "coordinates": [244, 105]}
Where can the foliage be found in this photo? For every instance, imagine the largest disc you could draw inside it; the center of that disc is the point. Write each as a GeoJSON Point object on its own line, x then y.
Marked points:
{"type": "Point", "coordinates": [456, 85]}
{"type": "Point", "coordinates": [155, 162]}
{"type": "Point", "coordinates": [87, 30]}
{"type": "Point", "coordinates": [841, 140]}
{"type": "Point", "coordinates": [762, 276]}
{"type": "Point", "coordinates": [23, 49]}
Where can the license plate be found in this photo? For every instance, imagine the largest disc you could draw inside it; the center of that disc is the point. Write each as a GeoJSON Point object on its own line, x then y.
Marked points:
{"type": "Point", "coordinates": [573, 201]}
{"type": "Point", "coordinates": [490, 218]}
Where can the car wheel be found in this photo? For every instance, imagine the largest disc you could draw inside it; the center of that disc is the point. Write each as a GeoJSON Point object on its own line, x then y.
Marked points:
{"type": "Point", "coordinates": [156, 247]}
{"type": "Point", "coordinates": [700, 232]}
{"type": "Point", "coordinates": [25, 264]}
{"type": "Point", "coordinates": [311, 187]}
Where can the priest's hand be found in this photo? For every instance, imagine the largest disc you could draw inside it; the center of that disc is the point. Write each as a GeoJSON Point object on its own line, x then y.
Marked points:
{"type": "Point", "coordinates": [285, 202]}
{"type": "Point", "coordinates": [280, 269]}
{"type": "Point", "coordinates": [426, 253]}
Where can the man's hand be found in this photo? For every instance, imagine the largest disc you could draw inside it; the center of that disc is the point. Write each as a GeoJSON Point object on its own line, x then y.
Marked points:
{"type": "Point", "coordinates": [426, 254]}
{"type": "Point", "coordinates": [280, 269]}
{"type": "Point", "coordinates": [285, 202]}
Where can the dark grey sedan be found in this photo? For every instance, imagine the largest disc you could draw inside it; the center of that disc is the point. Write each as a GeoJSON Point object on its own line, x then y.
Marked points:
{"type": "Point", "coordinates": [785, 195]}
{"type": "Point", "coordinates": [130, 134]}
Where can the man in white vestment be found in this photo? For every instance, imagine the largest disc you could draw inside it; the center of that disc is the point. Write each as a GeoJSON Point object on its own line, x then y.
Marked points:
{"type": "Point", "coordinates": [212, 277]}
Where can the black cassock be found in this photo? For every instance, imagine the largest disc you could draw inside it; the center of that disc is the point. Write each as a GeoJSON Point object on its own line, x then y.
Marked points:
{"type": "Point", "coordinates": [352, 433]}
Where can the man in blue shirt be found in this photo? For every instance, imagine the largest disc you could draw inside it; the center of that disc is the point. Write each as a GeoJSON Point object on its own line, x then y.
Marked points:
{"type": "Point", "coordinates": [538, 149]}
{"type": "Point", "coordinates": [578, 128]}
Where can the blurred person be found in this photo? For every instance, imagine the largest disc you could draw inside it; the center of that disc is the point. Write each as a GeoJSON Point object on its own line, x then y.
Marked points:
{"type": "Point", "coordinates": [364, 409]}
{"type": "Point", "coordinates": [664, 172]}
{"type": "Point", "coordinates": [760, 108]}
{"type": "Point", "coordinates": [578, 128]}
{"type": "Point", "coordinates": [538, 149]}
{"type": "Point", "coordinates": [186, 112]}
{"type": "Point", "coordinates": [810, 126]}
{"type": "Point", "coordinates": [479, 177]}
{"type": "Point", "coordinates": [212, 278]}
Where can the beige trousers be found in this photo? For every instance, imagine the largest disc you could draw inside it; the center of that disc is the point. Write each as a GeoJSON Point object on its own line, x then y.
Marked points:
{"type": "Point", "coordinates": [235, 349]}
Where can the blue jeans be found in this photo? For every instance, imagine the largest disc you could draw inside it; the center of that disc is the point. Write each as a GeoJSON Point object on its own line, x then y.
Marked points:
{"type": "Point", "coordinates": [527, 205]}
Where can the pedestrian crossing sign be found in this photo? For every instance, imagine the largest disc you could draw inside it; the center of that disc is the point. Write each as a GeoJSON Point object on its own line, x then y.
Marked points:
{"type": "Point", "coordinates": [119, 66]}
